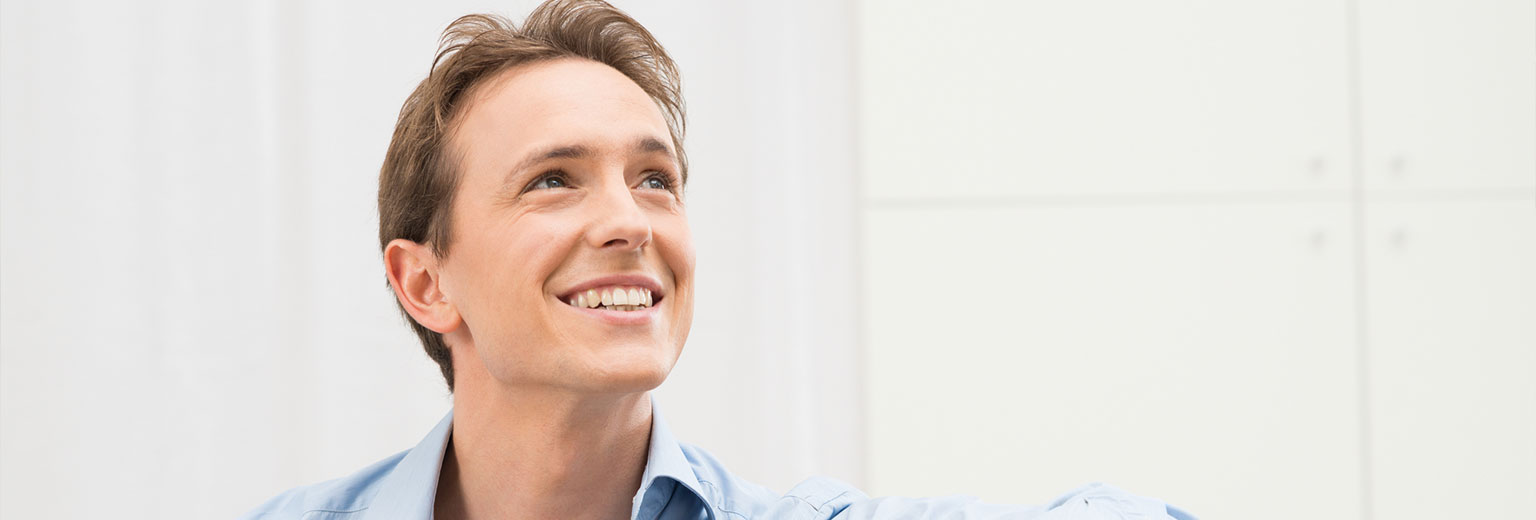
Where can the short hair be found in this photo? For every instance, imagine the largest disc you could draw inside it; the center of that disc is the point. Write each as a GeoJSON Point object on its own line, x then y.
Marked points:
{"type": "Point", "coordinates": [420, 174]}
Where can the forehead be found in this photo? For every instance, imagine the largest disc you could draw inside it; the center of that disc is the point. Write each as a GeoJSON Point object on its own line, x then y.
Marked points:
{"type": "Point", "coordinates": [563, 102]}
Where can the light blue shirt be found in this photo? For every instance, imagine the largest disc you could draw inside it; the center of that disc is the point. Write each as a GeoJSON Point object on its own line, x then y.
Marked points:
{"type": "Point", "coordinates": [682, 482]}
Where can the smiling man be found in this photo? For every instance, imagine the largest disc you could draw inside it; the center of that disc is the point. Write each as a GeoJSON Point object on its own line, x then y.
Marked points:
{"type": "Point", "coordinates": [534, 232]}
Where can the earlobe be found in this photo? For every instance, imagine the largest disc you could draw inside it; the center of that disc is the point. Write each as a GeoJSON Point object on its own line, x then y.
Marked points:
{"type": "Point", "coordinates": [413, 274]}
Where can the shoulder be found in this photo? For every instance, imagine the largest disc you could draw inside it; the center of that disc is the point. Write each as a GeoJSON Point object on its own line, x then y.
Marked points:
{"type": "Point", "coordinates": [1092, 502]}
{"type": "Point", "coordinates": [735, 498]}
{"type": "Point", "coordinates": [342, 497]}
{"type": "Point", "coordinates": [1103, 501]}
{"type": "Point", "coordinates": [821, 498]}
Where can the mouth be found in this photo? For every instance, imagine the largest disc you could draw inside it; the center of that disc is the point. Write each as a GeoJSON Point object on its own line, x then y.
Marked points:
{"type": "Point", "coordinates": [615, 293]}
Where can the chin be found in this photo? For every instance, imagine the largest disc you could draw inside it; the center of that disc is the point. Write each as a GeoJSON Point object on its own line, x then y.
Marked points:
{"type": "Point", "coordinates": [627, 370]}
{"type": "Point", "coordinates": [634, 382]}
{"type": "Point", "coordinates": [625, 380]}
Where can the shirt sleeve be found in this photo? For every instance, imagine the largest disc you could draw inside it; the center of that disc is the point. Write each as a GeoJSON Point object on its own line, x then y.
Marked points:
{"type": "Point", "coordinates": [1092, 502]}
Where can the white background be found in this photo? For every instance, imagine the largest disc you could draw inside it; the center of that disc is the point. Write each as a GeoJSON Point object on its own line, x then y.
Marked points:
{"type": "Point", "coordinates": [1259, 259]}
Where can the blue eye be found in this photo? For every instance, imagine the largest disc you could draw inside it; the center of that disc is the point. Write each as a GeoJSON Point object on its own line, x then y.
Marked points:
{"type": "Point", "coordinates": [656, 182]}
{"type": "Point", "coordinates": [549, 181]}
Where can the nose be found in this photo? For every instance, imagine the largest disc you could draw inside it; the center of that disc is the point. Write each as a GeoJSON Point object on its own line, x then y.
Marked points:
{"type": "Point", "coordinates": [618, 222]}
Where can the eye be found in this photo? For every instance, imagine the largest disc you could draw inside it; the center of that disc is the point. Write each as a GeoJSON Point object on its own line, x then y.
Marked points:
{"type": "Point", "coordinates": [555, 179]}
{"type": "Point", "coordinates": [657, 181]}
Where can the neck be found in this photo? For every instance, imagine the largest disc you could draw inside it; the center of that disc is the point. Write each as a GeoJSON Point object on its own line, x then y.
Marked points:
{"type": "Point", "coordinates": [539, 453]}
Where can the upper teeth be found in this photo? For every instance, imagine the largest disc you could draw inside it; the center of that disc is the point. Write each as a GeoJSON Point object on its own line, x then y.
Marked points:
{"type": "Point", "coordinates": [617, 298]}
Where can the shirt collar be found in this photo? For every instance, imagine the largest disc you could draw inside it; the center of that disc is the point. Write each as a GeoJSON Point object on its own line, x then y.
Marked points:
{"type": "Point", "coordinates": [665, 461]}
{"type": "Point", "coordinates": [410, 489]}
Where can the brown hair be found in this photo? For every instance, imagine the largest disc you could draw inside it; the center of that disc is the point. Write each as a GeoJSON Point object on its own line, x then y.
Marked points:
{"type": "Point", "coordinates": [419, 176]}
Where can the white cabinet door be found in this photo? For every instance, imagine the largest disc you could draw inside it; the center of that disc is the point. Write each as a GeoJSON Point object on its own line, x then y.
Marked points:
{"type": "Point", "coordinates": [1008, 99]}
{"type": "Point", "coordinates": [1452, 299]}
{"type": "Point", "coordinates": [1204, 354]}
{"type": "Point", "coordinates": [1448, 93]}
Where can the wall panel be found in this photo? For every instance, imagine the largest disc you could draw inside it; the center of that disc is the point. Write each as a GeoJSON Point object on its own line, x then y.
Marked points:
{"type": "Point", "coordinates": [1448, 94]}
{"type": "Point", "coordinates": [1002, 99]}
{"type": "Point", "coordinates": [1199, 353]}
{"type": "Point", "coordinates": [1452, 296]}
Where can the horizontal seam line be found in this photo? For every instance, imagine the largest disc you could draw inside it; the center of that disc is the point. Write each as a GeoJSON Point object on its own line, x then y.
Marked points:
{"type": "Point", "coordinates": [1105, 200]}
{"type": "Point", "coordinates": [1154, 199]}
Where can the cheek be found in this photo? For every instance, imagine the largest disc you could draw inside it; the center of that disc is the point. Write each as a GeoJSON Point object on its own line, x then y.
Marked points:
{"type": "Point", "coordinates": [534, 250]}
{"type": "Point", "coordinates": [675, 243]}
{"type": "Point", "coordinates": [512, 261]}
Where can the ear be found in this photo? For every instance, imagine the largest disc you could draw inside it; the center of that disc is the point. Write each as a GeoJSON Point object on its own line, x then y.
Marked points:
{"type": "Point", "coordinates": [413, 273]}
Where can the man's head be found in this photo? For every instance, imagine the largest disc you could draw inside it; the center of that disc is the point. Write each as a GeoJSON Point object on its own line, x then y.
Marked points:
{"type": "Point", "coordinates": [532, 165]}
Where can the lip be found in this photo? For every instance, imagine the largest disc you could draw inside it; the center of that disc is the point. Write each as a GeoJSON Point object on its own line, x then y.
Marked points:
{"type": "Point", "coordinates": [635, 317]}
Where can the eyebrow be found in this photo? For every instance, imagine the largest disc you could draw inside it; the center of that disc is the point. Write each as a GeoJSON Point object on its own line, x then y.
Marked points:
{"type": "Point", "coordinates": [643, 145]}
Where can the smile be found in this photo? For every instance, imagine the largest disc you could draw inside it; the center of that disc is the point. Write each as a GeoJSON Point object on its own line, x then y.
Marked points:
{"type": "Point", "coordinates": [612, 298]}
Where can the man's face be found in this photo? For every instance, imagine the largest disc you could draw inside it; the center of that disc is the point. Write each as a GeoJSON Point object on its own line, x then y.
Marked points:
{"type": "Point", "coordinates": [569, 190]}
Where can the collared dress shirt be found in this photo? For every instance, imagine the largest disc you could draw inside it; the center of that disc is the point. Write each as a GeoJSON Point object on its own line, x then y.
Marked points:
{"type": "Point", "coordinates": [682, 482]}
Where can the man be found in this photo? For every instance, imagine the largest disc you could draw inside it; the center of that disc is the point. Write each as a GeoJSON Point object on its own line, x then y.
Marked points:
{"type": "Point", "coordinates": [534, 232]}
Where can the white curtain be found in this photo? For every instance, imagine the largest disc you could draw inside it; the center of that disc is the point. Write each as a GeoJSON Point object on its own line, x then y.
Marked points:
{"type": "Point", "coordinates": [192, 311]}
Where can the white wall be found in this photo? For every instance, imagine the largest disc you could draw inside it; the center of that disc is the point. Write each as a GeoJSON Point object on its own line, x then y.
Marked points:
{"type": "Point", "coordinates": [1448, 171]}
{"type": "Point", "coordinates": [1262, 260]}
